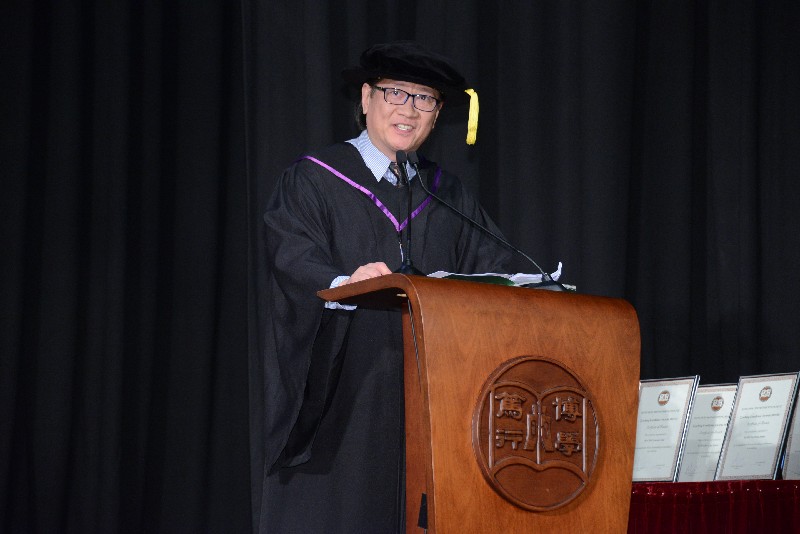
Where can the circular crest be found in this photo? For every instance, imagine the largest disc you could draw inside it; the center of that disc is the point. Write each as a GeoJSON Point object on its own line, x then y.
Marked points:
{"type": "Point", "coordinates": [535, 433]}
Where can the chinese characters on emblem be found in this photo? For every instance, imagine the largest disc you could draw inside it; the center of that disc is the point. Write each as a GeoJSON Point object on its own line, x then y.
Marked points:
{"type": "Point", "coordinates": [553, 427]}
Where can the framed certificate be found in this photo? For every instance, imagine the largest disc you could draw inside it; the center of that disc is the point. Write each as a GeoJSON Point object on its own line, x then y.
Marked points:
{"type": "Point", "coordinates": [711, 411]}
{"type": "Point", "coordinates": [664, 407]}
{"type": "Point", "coordinates": [791, 458]}
{"type": "Point", "coordinates": [758, 426]}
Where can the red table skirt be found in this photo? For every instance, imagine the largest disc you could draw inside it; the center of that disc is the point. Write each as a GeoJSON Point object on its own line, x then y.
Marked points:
{"type": "Point", "coordinates": [745, 506]}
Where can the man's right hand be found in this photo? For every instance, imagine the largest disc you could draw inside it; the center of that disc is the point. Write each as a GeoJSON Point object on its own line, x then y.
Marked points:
{"type": "Point", "coordinates": [370, 270]}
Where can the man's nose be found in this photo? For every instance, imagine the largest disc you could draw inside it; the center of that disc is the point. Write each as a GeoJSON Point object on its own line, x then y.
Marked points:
{"type": "Point", "coordinates": [409, 106]}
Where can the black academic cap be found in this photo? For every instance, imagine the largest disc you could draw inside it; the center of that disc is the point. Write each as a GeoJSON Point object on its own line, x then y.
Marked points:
{"type": "Point", "coordinates": [409, 61]}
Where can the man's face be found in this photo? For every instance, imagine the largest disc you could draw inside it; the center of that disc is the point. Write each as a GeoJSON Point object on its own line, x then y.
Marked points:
{"type": "Point", "coordinates": [391, 127]}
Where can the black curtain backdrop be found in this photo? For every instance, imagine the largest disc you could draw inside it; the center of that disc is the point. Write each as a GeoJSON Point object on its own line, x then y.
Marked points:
{"type": "Point", "coordinates": [123, 380]}
{"type": "Point", "coordinates": [653, 147]}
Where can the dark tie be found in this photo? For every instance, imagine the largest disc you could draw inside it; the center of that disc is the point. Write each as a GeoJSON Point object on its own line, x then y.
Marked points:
{"type": "Point", "coordinates": [395, 168]}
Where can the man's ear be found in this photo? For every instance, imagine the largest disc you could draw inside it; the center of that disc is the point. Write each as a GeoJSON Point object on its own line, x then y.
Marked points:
{"type": "Point", "coordinates": [366, 93]}
{"type": "Point", "coordinates": [436, 117]}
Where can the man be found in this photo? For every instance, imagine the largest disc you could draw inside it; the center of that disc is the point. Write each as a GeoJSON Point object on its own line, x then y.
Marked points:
{"type": "Point", "coordinates": [333, 409]}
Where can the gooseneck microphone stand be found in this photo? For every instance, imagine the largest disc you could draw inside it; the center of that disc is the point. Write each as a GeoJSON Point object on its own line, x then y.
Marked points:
{"type": "Point", "coordinates": [407, 267]}
{"type": "Point", "coordinates": [547, 280]}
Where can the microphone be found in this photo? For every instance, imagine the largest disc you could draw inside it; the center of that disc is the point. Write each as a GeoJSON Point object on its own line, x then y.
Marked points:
{"type": "Point", "coordinates": [547, 280]}
{"type": "Point", "coordinates": [407, 266]}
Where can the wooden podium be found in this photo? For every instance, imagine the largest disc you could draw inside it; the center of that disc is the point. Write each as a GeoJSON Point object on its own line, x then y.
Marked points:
{"type": "Point", "coordinates": [521, 404]}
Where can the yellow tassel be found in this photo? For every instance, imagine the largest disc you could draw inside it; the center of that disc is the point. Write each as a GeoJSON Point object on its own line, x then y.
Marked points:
{"type": "Point", "coordinates": [472, 123]}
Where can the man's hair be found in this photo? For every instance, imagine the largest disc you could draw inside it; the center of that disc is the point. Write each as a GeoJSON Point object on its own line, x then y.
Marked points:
{"type": "Point", "coordinates": [360, 117]}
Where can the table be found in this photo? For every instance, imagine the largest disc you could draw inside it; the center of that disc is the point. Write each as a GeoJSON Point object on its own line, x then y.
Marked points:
{"type": "Point", "coordinates": [728, 507]}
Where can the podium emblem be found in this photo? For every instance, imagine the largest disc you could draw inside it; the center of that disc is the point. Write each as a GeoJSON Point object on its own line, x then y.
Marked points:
{"type": "Point", "coordinates": [535, 433]}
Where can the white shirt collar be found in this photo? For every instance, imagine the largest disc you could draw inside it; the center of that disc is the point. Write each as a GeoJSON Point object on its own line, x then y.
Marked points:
{"type": "Point", "coordinates": [375, 160]}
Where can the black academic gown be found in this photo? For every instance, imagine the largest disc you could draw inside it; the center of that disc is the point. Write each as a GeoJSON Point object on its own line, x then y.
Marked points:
{"type": "Point", "coordinates": [333, 385]}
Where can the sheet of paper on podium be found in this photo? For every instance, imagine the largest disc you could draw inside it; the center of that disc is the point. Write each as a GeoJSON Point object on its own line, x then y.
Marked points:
{"type": "Point", "coordinates": [515, 279]}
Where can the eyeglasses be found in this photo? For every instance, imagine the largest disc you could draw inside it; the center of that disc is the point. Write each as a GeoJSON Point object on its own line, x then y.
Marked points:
{"type": "Point", "coordinates": [398, 97]}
